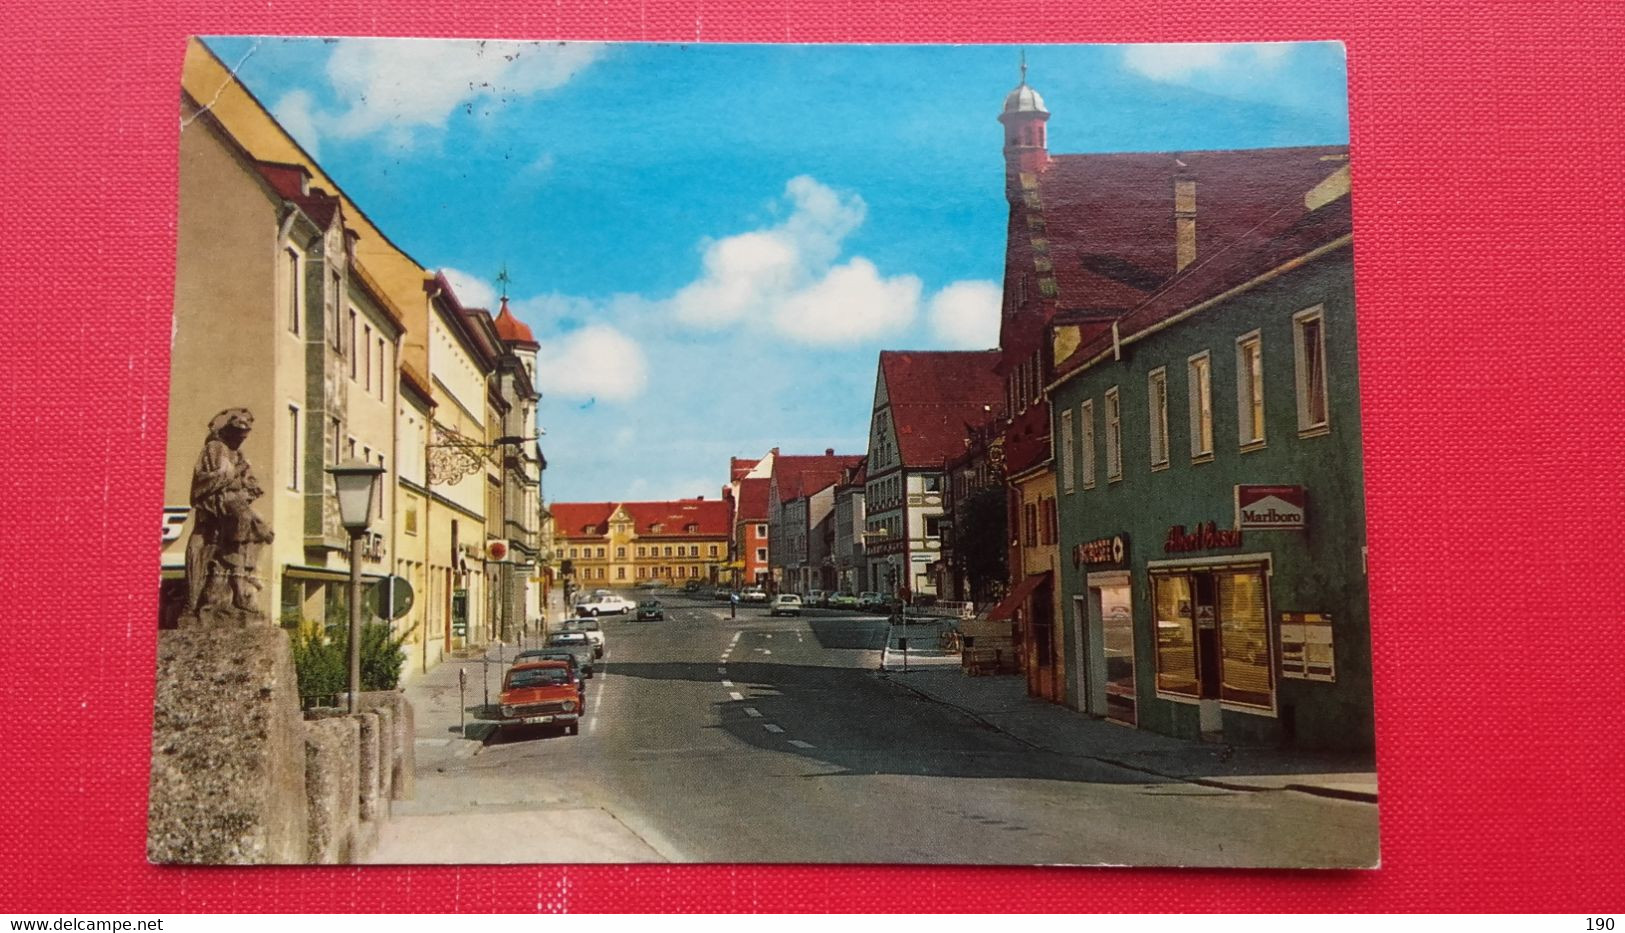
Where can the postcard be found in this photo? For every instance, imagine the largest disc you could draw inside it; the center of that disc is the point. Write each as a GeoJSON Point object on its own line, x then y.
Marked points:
{"type": "Point", "coordinates": [587, 453]}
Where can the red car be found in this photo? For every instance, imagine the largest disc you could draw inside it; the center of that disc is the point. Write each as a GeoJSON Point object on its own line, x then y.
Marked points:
{"type": "Point", "coordinates": [541, 693]}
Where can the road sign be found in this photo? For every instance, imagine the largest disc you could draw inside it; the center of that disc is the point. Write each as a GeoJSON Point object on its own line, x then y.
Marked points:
{"type": "Point", "coordinates": [390, 598]}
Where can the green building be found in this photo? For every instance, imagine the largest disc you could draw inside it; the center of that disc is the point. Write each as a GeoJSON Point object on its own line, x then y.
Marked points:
{"type": "Point", "coordinates": [1212, 508]}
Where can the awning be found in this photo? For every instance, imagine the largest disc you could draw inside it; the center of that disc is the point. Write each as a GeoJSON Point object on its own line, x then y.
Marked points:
{"type": "Point", "coordinates": [1017, 598]}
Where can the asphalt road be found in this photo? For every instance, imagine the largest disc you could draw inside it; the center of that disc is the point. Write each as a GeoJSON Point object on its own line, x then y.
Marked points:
{"type": "Point", "coordinates": [775, 740]}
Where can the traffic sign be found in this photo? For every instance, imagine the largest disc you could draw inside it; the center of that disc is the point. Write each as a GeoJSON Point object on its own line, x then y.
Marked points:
{"type": "Point", "coordinates": [390, 598]}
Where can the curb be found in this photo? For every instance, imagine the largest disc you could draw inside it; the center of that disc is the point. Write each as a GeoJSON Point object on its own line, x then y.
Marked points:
{"type": "Point", "coordinates": [1338, 793]}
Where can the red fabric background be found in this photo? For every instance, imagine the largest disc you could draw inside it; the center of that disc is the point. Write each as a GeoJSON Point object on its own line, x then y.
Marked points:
{"type": "Point", "coordinates": [1490, 218]}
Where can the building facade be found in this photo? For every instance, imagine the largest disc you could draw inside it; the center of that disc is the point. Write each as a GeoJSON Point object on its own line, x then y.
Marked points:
{"type": "Point", "coordinates": [1212, 501]}
{"type": "Point", "coordinates": [610, 545]}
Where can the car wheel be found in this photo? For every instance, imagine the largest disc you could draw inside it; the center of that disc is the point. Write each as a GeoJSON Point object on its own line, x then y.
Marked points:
{"type": "Point", "coordinates": [593, 613]}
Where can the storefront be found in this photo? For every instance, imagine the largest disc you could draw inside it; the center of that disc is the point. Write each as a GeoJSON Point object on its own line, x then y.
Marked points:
{"type": "Point", "coordinates": [1103, 636]}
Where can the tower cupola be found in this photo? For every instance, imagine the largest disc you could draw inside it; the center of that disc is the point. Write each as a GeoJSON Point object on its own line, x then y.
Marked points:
{"type": "Point", "coordinates": [1026, 149]}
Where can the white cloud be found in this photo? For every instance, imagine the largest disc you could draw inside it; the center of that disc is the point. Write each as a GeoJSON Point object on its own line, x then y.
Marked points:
{"type": "Point", "coordinates": [1177, 62]}
{"type": "Point", "coordinates": [471, 290]}
{"type": "Point", "coordinates": [400, 86]}
{"type": "Point", "coordinates": [966, 314]}
{"type": "Point", "coordinates": [785, 276]}
{"type": "Point", "coordinates": [296, 111]}
{"type": "Point", "coordinates": [852, 302]}
{"type": "Point", "coordinates": [595, 362]}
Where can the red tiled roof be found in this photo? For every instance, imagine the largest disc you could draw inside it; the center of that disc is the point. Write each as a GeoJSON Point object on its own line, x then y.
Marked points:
{"type": "Point", "coordinates": [752, 500]}
{"type": "Point", "coordinates": [799, 475]}
{"type": "Point", "coordinates": [1108, 231]}
{"type": "Point", "coordinates": [513, 330]}
{"type": "Point", "coordinates": [293, 182]}
{"type": "Point", "coordinates": [1291, 231]}
{"type": "Point", "coordinates": [934, 395]}
{"type": "Point", "coordinates": [578, 519]}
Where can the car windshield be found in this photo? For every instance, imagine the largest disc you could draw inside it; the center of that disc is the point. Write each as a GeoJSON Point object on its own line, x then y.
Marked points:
{"type": "Point", "coordinates": [648, 604]}
{"type": "Point", "coordinates": [567, 638]}
{"type": "Point", "coordinates": [538, 677]}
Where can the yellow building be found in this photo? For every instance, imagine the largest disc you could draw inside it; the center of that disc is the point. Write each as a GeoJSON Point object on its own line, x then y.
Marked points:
{"type": "Point", "coordinates": [609, 545]}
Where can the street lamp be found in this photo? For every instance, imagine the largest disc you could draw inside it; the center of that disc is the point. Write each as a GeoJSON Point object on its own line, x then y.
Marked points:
{"type": "Point", "coordinates": [355, 481]}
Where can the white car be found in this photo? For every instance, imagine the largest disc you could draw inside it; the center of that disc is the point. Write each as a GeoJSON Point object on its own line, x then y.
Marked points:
{"type": "Point", "coordinates": [588, 627]}
{"type": "Point", "coordinates": [605, 606]}
{"type": "Point", "coordinates": [788, 604]}
{"type": "Point", "coordinates": [755, 595]}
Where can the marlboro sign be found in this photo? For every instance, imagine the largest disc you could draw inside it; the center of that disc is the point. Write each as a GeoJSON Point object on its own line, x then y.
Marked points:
{"type": "Point", "coordinates": [1270, 508]}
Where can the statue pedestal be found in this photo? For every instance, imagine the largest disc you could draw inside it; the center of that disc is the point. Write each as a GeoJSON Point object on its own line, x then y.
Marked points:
{"type": "Point", "coordinates": [228, 746]}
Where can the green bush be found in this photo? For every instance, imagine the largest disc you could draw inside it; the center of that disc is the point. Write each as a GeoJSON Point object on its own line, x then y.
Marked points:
{"type": "Point", "coordinates": [322, 661]}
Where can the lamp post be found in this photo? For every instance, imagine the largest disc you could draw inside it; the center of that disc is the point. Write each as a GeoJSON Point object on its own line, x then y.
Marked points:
{"type": "Point", "coordinates": [355, 481]}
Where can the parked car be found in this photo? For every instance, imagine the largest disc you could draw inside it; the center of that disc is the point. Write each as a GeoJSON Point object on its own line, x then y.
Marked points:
{"type": "Point", "coordinates": [871, 601]}
{"type": "Point", "coordinates": [650, 610]}
{"type": "Point", "coordinates": [589, 627]}
{"type": "Point", "coordinates": [722, 593]}
{"type": "Point", "coordinates": [605, 605]}
{"type": "Point", "coordinates": [754, 594]}
{"type": "Point", "coordinates": [541, 693]}
{"type": "Point", "coordinates": [787, 604]}
{"type": "Point", "coordinates": [693, 586]}
{"type": "Point", "coordinates": [577, 644]}
{"type": "Point", "coordinates": [555, 654]}
{"type": "Point", "coordinates": [843, 601]}
{"type": "Point", "coordinates": [814, 598]}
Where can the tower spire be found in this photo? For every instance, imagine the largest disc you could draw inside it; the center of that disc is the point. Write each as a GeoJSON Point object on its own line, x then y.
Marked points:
{"type": "Point", "coordinates": [1024, 67]}
{"type": "Point", "coordinates": [503, 281]}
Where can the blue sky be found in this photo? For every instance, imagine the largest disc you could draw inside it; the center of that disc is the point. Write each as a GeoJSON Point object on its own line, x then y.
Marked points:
{"type": "Point", "coordinates": [713, 242]}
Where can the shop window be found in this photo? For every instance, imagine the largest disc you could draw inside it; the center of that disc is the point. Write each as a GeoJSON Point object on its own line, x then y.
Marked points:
{"type": "Point", "coordinates": [1176, 634]}
{"type": "Point", "coordinates": [1068, 478]}
{"type": "Point", "coordinates": [1156, 392]}
{"type": "Point", "coordinates": [1114, 436]}
{"type": "Point", "coordinates": [1309, 352]}
{"type": "Point", "coordinates": [1086, 418]}
{"type": "Point", "coordinates": [1250, 390]}
{"type": "Point", "coordinates": [1199, 371]}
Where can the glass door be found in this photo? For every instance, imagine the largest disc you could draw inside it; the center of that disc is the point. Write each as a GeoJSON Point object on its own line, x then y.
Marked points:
{"type": "Point", "coordinates": [1117, 631]}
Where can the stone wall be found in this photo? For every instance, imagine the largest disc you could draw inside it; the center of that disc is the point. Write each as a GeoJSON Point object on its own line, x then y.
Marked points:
{"type": "Point", "coordinates": [240, 776]}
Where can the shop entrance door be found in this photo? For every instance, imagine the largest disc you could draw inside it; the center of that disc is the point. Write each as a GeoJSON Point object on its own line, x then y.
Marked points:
{"type": "Point", "coordinates": [1210, 718]}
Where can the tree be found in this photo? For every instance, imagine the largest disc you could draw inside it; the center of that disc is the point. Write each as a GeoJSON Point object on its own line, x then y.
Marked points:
{"type": "Point", "coordinates": [980, 541]}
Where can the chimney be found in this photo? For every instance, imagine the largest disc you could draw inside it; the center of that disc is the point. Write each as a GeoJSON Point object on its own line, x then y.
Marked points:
{"type": "Point", "coordinates": [829, 451]}
{"type": "Point", "coordinates": [1184, 221]}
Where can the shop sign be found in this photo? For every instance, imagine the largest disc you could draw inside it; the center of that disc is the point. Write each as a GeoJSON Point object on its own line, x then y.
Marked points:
{"type": "Point", "coordinates": [175, 517]}
{"type": "Point", "coordinates": [1306, 646]}
{"type": "Point", "coordinates": [1111, 551]}
{"type": "Point", "coordinates": [1270, 508]}
{"type": "Point", "coordinates": [1208, 537]}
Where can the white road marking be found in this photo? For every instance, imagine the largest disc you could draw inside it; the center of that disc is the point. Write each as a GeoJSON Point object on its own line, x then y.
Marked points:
{"type": "Point", "coordinates": [753, 712]}
{"type": "Point", "coordinates": [727, 683]}
{"type": "Point", "coordinates": [736, 639]}
{"type": "Point", "coordinates": [800, 744]}
{"type": "Point", "coordinates": [771, 728]}
{"type": "Point", "coordinates": [768, 635]}
{"type": "Point", "coordinates": [765, 650]}
{"type": "Point", "coordinates": [722, 670]}
{"type": "Point", "coordinates": [736, 696]}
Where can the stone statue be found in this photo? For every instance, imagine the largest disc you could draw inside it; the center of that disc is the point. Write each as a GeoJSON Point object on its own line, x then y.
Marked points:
{"type": "Point", "coordinates": [227, 533]}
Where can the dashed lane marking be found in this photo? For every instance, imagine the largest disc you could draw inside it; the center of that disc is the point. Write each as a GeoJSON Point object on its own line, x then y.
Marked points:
{"type": "Point", "coordinates": [771, 727]}
{"type": "Point", "coordinates": [800, 744]}
{"type": "Point", "coordinates": [736, 639]}
{"type": "Point", "coordinates": [753, 712]}
{"type": "Point", "coordinates": [722, 670]}
{"type": "Point", "coordinates": [727, 683]}
{"type": "Point", "coordinates": [736, 696]}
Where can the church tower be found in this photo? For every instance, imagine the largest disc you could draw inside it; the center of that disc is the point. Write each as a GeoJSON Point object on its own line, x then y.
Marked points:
{"type": "Point", "coordinates": [1025, 146]}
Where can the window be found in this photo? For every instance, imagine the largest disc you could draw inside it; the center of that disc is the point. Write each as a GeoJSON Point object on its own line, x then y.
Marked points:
{"type": "Point", "coordinates": [668, 551]}
{"type": "Point", "coordinates": [1068, 478]}
{"type": "Point", "coordinates": [1114, 436]}
{"type": "Point", "coordinates": [643, 551]}
{"type": "Point", "coordinates": [382, 486]}
{"type": "Point", "coordinates": [1309, 352]}
{"type": "Point", "coordinates": [291, 270]}
{"type": "Point", "coordinates": [1087, 416]}
{"type": "Point", "coordinates": [573, 553]}
{"type": "Point", "coordinates": [293, 447]}
{"type": "Point", "coordinates": [620, 553]}
{"type": "Point", "coordinates": [761, 553]}
{"type": "Point", "coordinates": [620, 573]}
{"type": "Point", "coordinates": [356, 349]}
{"type": "Point", "coordinates": [381, 370]}
{"type": "Point", "coordinates": [366, 345]}
{"type": "Point", "coordinates": [682, 571]}
{"type": "Point", "coordinates": [932, 483]}
{"type": "Point", "coordinates": [1176, 634]}
{"type": "Point", "coordinates": [1199, 371]}
{"type": "Point", "coordinates": [933, 526]}
{"type": "Point", "coordinates": [335, 431]}
{"type": "Point", "coordinates": [1054, 516]}
{"type": "Point", "coordinates": [1156, 393]}
{"type": "Point", "coordinates": [600, 553]}
{"type": "Point", "coordinates": [761, 531]}
{"type": "Point", "coordinates": [713, 550]}
{"type": "Point", "coordinates": [694, 550]}
{"type": "Point", "coordinates": [1029, 522]}
{"type": "Point", "coordinates": [331, 311]}
{"type": "Point", "coordinates": [411, 520]}
{"type": "Point", "coordinates": [1250, 390]}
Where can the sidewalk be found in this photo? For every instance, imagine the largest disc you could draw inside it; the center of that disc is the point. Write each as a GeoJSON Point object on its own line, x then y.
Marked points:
{"type": "Point", "coordinates": [1002, 703]}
